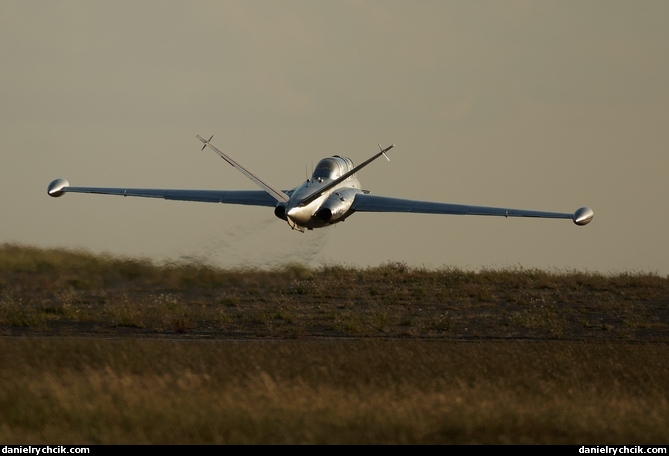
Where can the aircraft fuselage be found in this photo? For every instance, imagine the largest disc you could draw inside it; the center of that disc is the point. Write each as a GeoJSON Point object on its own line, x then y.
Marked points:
{"type": "Point", "coordinates": [330, 207]}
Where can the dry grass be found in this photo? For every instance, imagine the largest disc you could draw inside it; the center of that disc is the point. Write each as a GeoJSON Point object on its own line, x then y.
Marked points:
{"type": "Point", "coordinates": [327, 355]}
{"type": "Point", "coordinates": [341, 392]}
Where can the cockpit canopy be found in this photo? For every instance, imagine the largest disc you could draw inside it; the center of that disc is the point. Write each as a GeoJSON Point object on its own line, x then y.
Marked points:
{"type": "Point", "coordinates": [332, 167]}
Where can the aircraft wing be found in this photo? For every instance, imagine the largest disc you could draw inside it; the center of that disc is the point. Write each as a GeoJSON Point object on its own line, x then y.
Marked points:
{"type": "Point", "coordinates": [374, 203]}
{"type": "Point", "coordinates": [245, 197]}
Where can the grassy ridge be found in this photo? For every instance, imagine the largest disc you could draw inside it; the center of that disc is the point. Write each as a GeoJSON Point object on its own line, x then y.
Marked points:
{"type": "Point", "coordinates": [342, 392]}
{"type": "Point", "coordinates": [62, 292]}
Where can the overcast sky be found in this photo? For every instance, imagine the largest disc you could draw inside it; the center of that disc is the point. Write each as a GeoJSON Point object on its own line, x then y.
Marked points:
{"type": "Point", "coordinates": [522, 104]}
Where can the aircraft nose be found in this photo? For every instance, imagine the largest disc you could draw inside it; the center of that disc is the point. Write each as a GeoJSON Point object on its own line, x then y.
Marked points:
{"type": "Point", "coordinates": [294, 217]}
{"type": "Point", "coordinates": [296, 213]}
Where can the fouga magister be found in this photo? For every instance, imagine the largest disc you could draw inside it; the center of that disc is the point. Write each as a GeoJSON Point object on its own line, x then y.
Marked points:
{"type": "Point", "coordinates": [331, 195]}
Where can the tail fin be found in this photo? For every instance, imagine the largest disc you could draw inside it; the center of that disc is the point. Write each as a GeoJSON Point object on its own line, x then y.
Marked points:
{"type": "Point", "coordinates": [276, 194]}
{"type": "Point", "coordinates": [344, 176]}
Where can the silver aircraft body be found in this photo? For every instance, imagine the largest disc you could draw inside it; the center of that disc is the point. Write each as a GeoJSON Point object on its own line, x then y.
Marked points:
{"type": "Point", "coordinates": [329, 196]}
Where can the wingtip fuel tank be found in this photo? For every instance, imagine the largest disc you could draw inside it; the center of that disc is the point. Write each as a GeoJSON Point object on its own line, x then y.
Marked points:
{"type": "Point", "coordinates": [55, 188]}
{"type": "Point", "coordinates": [583, 216]}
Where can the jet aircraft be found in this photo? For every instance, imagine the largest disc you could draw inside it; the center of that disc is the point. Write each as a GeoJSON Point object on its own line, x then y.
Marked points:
{"type": "Point", "coordinates": [331, 195]}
